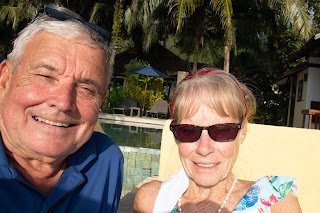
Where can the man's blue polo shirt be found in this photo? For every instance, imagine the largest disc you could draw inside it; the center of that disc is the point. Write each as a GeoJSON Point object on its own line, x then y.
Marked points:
{"type": "Point", "coordinates": [91, 182]}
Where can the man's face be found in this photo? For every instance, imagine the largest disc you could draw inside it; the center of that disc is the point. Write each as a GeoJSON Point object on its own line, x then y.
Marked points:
{"type": "Point", "coordinates": [49, 105]}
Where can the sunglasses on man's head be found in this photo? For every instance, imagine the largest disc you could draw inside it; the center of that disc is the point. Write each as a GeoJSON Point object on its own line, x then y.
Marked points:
{"type": "Point", "coordinates": [218, 132]}
{"type": "Point", "coordinates": [64, 17]}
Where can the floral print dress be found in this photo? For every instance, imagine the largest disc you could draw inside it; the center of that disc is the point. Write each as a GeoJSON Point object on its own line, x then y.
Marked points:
{"type": "Point", "coordinates": [264, 193]}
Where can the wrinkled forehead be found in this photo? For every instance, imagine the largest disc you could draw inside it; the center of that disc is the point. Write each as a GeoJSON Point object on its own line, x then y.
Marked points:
{"type": "Point", "coordinates": [65, 55]}
{"type": "Point", "coordinates": [46, 45]}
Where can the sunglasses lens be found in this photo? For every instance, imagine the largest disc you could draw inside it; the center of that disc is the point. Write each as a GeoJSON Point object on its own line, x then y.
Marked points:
{"type": "Point", "coordinates": [186, 133]}
{"type": "Point", "coordinates": [223, 132]}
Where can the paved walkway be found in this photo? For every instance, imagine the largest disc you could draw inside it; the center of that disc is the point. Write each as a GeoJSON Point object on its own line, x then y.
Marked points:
{"type": "Point", "coordinates": [126, 203]}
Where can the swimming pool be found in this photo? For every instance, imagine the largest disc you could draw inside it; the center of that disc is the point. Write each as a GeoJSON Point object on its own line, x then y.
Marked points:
{"type": "Point", "coordinates": [140, 145]}
{"type": "Point", "coordinates": [132, 136]}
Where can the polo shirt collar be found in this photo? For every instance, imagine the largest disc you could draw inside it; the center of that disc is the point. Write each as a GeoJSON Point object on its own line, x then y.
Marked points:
{"type": "Point", "coordinates": [3, 158]}
{"type": "Point", "coordinates": [82, 157]}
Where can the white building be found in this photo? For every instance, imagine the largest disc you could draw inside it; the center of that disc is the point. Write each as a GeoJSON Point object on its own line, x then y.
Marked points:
{"type": "Point", "coordinates": [304, 83]}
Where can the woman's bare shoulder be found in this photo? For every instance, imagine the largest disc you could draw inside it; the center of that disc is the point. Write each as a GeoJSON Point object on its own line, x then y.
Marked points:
{"type": "Point", "coordinates": [146, 196]}
{"type": "Point", "coordinates": [289, 204]}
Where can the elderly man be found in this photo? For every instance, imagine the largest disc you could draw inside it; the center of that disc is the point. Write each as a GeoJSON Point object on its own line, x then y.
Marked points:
{"type": "Point", "coordinates": [51, 90]}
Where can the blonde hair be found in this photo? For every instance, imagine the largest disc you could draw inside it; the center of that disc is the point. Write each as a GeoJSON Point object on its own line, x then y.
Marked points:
{"type": "Point", "coordinates": [218, 90]}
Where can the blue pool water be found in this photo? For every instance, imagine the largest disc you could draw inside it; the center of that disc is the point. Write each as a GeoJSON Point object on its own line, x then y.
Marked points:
{"type": "Point", "coordinates": [133, 136]}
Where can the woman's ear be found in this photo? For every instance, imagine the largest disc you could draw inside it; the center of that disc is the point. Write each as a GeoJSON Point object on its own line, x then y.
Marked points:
{"type": "Point", "coordinates": [243, 131]}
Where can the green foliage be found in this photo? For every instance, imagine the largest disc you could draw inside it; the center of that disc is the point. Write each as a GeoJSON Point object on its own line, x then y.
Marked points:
{"type": "Point", "coordinates": [117, 21]}
{"type": "Point", "coordinates": [113, 99]}
{"type": "Point", "coordinates": [135, 63]}
{"type": "Point", "coordinates": [135, 88]}
{"type": "Point", "coordinates": [135, 85]}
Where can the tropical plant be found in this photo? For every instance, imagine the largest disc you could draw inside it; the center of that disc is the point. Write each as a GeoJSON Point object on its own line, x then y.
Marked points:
{"type": "Point", "coordinates": [135, 63]}
{"type": "Point", "coordinates": [149, 17]}
{"type": "Point", "coordinates": [181, 10]}
{"type": "Point", "coordinates": [113, 99]}
{"type": "Point", "coordinates": [13, 16]}
{"type": "Point", "coordinates": [16, 12]}
{"type": "Point", "coordinates": [294, 13]}
{"type": "Point", "coordinates": [136, 85]}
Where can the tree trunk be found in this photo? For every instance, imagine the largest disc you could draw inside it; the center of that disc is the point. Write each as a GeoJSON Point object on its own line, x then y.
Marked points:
{"type": "Point", "coordinates": [195, 56]}
{"type": "Point", "coordinates": [112, 56]}
{"type": "Point", "coordinates": [226, 57]}
{"type": "Point", "coordinates": [116, 29]}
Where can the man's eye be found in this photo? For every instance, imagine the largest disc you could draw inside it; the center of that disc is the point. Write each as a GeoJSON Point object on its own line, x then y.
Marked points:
{"type": "Point", "coordinates": [45, 76]}
{"type": "Point", "coordinates": [86, 88]}
{"type": "Point", "coordinates": [88, 91]}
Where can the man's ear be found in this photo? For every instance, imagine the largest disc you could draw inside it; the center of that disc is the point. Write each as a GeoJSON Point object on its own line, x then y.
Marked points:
{"type": "Point", "coordinates": [5, 73]}
{"type": "Point", "coordinates": [104, 95]}
{"type": "Point", "coordinates": [243, 131]}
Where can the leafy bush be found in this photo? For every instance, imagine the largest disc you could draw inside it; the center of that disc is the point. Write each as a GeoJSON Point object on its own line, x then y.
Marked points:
{"type": "Point", "coordinates": [113, 99]}
{"type": "Point", "coordinates": [135, 64]}
{"type": "Point", "coordinates": [135, 85]}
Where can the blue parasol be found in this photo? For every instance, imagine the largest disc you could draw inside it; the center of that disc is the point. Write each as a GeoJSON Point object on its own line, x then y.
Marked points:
{"type": "Point", "coordinates": [148, 71]}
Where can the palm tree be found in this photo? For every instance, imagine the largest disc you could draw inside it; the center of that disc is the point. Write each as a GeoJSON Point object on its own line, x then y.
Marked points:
{"type": "Point", "coordinates": [16, 14]}
{"type": "Point", "coordinates": [183, 9]}
{"type": "Point", "coordinates": [294, 12]}
{"type": "Point", "coordinates": [100, 9]}
{"type": "Point", "coordinates": [150, 17]}
{"type": "Point", "coordinates": [12, 17]}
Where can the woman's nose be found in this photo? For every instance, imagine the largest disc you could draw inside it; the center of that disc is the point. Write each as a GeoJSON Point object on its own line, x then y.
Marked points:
{"type": "Point", "coordinates": [205, 144]}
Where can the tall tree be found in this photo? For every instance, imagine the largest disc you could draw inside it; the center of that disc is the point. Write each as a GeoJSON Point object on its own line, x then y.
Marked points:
{"type": "Point", "coordinates": [183, 9]}
{"type": "Point", "coordinates": [116, 8]}
{"type": "Point", "coordinates": [294, 13]}
{"type": "Point", "coordinates": [16, 12]}
{"type": "Point", "coordinates": [14, 16]}
{"type": "Point", "coordinates": [149, 16]}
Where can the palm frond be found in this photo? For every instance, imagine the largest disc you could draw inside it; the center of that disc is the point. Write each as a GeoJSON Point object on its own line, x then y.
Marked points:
{"type": "Point", "coordinates": [225, 11]}
{"type": "Point", "coordinates": [9, 14]}
{"type": "Point", "coordinates": [295, 13]}
{"type": "Point", "coordinates": [15, 14]}
{"type": "Point", "coordinates": [301, 18]}
{"type": "Point", "coordinates": [181, 9]}
{"type": "Point", "coordinates": [95, 11]}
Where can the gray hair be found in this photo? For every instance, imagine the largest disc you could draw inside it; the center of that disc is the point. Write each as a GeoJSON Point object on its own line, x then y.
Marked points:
{"type": "Point", "coordinates": [69, 29]}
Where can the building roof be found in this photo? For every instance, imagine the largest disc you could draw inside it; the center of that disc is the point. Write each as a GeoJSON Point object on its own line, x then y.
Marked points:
{"type": "Point", "coordinates": [310, 49]}
{"type": "Point", "coordinates": [158, 57]}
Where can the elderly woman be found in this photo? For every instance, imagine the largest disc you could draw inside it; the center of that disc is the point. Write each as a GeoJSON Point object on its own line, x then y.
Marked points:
{"type": "Point", "coordinates": [210, 110]}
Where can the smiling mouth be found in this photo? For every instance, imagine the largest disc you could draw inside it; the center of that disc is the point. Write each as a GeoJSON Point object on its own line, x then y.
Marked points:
{"type": "Point", "coordinates": [52, 122]}
{"type": "Point", "coordinates": [206, 165]}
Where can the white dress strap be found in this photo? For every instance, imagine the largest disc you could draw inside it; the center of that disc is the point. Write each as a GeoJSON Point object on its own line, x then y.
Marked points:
{"type": "Point", "coordinates": [170, 192]}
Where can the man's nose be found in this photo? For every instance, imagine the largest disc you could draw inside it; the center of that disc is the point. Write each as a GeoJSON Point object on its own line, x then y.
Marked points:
{"type": "Point", "coordinates": [63, 97]}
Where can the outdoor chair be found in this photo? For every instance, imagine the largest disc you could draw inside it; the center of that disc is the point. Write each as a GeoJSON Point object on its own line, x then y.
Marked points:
{"type": "Point", "coordinates": [159, 108]}
{"type": "Point", "coordinates": [125, 107]}
{"type": "Point", "coordinates": [316, 118]}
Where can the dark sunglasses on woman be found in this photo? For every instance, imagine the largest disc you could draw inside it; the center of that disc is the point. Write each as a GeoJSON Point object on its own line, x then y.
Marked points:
{"type": "Point", "coordinates": [219, 132]}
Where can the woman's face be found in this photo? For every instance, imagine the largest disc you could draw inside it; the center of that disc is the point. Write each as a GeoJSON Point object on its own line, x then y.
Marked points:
{"type": "Point", "coordinates": [206, 161]}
